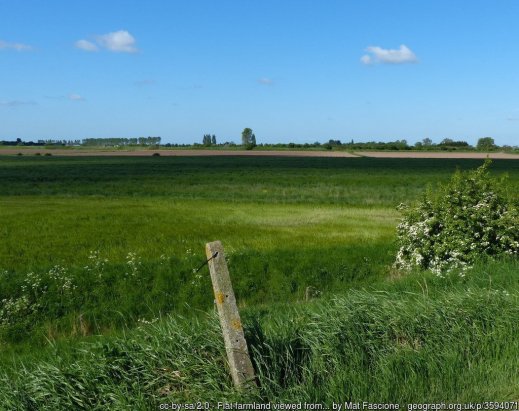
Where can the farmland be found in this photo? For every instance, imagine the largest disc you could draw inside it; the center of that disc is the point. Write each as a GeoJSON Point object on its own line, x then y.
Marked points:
{"type": "Point", "coordinates": [126, 234]}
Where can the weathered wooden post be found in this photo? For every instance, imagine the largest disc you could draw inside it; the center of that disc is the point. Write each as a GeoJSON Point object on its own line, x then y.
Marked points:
{"type": "Point", "coordinates": [237, 353]}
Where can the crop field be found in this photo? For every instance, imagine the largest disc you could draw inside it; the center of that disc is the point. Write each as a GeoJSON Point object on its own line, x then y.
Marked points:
{"type": "Point", "coordinates": [103, 306]}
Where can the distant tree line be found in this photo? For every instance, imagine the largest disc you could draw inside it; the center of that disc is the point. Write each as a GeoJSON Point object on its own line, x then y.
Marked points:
{"type": "Point", "coordinates": [248, 141]}
{"type": "Point", "coordinates": [121, 142]}
{"type": "Point", "coordinates": [19, 142]}
{"type": "Point", "coordinates": [447, 144]}
{"type": "Point", "coordinates": [87, 142]}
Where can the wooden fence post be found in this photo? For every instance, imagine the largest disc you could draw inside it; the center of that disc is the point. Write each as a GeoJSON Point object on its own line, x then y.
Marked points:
{"type": "Point", "coordinates": [240, 364]}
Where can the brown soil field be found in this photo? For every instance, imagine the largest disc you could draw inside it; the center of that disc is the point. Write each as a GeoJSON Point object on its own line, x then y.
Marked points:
{"type": "Point", "coordinates": [178, 153]}
{"type": "Point", "coordinates": [184, 153]}
{"type": "Point", "coordinates": [435, 154]}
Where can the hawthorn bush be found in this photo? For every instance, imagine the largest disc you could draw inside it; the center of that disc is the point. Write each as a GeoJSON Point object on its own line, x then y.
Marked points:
{"type": "Point", "coordinates": [452, 226]}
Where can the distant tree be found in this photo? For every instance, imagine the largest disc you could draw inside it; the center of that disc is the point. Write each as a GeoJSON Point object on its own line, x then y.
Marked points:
{"type": "Point", "coordinates": [206, 141]}
{"type": "Point", "coordinates": [427, 142]}
{"type": "Point", "coordinates": [248, 139]}
{"type": "Point", "coordinates": [246, 135]}
{"type": "Point", "coordinates": [402, 144]}
{"type": "Point", "coordinates": [213, 140]}
{"type": "Point", "coordinates": [486, 143]}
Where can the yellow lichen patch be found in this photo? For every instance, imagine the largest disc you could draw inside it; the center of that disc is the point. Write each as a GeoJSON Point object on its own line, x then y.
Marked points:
{"type": "Point", "coordinates": [236, 324]}
{"type": "Point", "coordinates": [220, 297]}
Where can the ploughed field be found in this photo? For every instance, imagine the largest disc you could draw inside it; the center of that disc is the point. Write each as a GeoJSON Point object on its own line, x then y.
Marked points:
{"type": "Point", "coordinates": [95, 246]}
{"type": "Point", "coordinates": [258, 152]}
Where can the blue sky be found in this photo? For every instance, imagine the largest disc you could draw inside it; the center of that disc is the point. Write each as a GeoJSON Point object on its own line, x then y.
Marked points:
{"type": "Point", "coordinates": [293, 71]}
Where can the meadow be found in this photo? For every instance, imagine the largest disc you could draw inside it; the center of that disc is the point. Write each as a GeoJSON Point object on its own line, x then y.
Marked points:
{"type": "Point", "coordinates": [98, 261]}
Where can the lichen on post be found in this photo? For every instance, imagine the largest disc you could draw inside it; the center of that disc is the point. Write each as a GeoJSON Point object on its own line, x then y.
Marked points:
{"type": "Point", "coordinates": [240, 364]}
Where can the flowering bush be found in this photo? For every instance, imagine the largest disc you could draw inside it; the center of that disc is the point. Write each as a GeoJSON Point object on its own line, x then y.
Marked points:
{"type": "Point", "coordinates": [462, 220]}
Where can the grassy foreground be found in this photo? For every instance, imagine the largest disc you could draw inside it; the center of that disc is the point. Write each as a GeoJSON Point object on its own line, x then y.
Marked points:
{"type": "Point", "coordinates": [418, 339]}
{"type": "Point", "coordinates": [94, 249]}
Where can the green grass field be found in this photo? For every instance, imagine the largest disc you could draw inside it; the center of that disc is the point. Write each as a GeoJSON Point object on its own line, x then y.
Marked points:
{"type": "Point", "coordinates": [127, 233]}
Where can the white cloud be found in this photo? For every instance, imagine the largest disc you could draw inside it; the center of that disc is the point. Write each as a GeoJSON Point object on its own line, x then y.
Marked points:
{"type": "Point", "coordinates": [366, 59]}
{"type": "Point", "coordinates": [4, 45]}
{"type": "Point", "coordinates": [389, 56]}
{"type": "Point", "coordinates": [119, 41]}
{"type": "Point", "coordinates": [86, 45]}
{"type": "Point", "coordinates": [265, 81]}
{"type": "Point", "coordinates": [75, 97]}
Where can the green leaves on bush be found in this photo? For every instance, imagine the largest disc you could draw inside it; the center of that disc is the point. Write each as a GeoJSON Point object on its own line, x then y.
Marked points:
{"type": "Point", "coordinates": [452, 226]}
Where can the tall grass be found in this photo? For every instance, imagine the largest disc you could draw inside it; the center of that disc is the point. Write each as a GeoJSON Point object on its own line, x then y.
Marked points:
{"type": "Point", "coordinates": [129, 260]}
{"type": "Point", "coordinates": [386, 346]}
{"type": "Point", "coordinates": [38, 232]}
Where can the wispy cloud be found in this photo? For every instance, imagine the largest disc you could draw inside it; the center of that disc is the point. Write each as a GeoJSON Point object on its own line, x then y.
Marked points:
{"type": "Point", "coordinates": [16, 103]}
{"type": "Point", "coordinates": [86, 45]}
{"type": "Point", "coordinates": [265, 81]}
{"type": "Point", "coordinates": [379, 55]}
{"type": "Point", "coordinates": [76, 97]}
{"type": "Point", "coordinates": [118, 42]}
{"type": "Point", "coordinates": [5, 45]}
{"type": "Point", "coordinates": [146, 82]}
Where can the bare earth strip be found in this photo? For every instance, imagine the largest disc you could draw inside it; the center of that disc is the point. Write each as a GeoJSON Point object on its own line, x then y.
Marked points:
{"type": "Point", "coordinates": [179, 153]}
{"type": "Point", "coordinates": [425, 154]}
{"type": "Point", "coordinates": [279, 153]}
